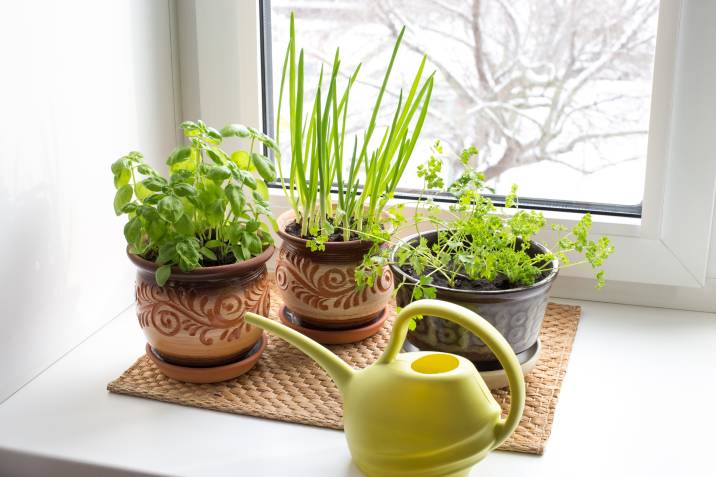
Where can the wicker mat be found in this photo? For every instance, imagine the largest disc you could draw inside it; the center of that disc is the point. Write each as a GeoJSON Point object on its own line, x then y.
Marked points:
{"type": "Point", "coordinates": [288, 386]}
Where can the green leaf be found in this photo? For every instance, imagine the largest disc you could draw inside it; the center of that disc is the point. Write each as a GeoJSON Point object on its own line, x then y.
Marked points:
{"type": "Point", "coordinates": [252, 226]}
{"type": "Point", "coordinates": [262, 204]}
{"type": "Point", "coordinates": [215, 212]}
{"type": "Point", "coordinates": [167, 253]}
{"type": "Point", "coordinates": [218, 173]}
{"type": "Point", "coordinates": [252, 242]}
{"type": "Point", "coordinates": [180, 154]}
{"type": "Point", "coordinates": [217, 156]}
{"type": "Point", "coordinates": [170, 209]}
{"type": "Point", "coordinates": [146, 170]}
{"type": "Point", "coordinates": [129, 208]}
{"type": "Point", "coordinates": [189, 255]}
{"type": "Point", "coordinates": [429, 292]}
{"type": "Point", "coordinates": [208, 253]}
{"type": "Point", "coordinates": [148, 213]}
{"type": "Point", "coordinates": [241, 159]}
{"type": "Point", "coordinates": [262, 189]}
{"type": "Point", "coordinates": [214, 136]}
{"type": "Point", "coordinates": [234, 233]}
{"type": "Point", "coordinates": [154, 198]}
{"type": "Point", "coordinates": [184, 225]}
{"type": "Point", "coordinates": [162, 274]}
{"type": "Point", "coordinates": [241, 252]}
{"type": "Point", "coordinates": [268, 141]}
{"type": "Point", "coordinates": [247, 179]}
{"type": "Point", "coordinates": [122, 198]}
{"type": "Point", "coordinates": [141, 191]}
{"type": "Point", "coordinates": [182, 175]}
{"type": "Point", "coordinates": [188, 165]}
{"type": "Point", "coordinates": [155, 184]}
{"type": "Point", "coordinates": [133, 231]}
{"type": "Point", "coordinates": [122, 177]}
{"type": "Point", "coordinates": [235, 197]}
{"type": "Point", "coordinates": [119, 165]}
{"type": "Point", "coordinates": [156, 230]}
{"type": "Point", "coordinates": [184, 190]}
{"type": "Point", "coordinates": [264, 166]}
{"type": "Point", "coordinates": [135, 156]}
{"type": "Point", "coordinates": [213, 244]}
{"type": "Point", "coordinates": [236, 130]}
{"type": "Point", "coordinates": [467, 153]}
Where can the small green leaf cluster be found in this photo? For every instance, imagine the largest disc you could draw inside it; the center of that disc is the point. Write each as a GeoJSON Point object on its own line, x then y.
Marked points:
{"type": "Point", "coordinates": [430, 171]}
{"type": "Point", "coordinates": [321, 159]}
{"type": "Point", "coordinates": [477, 241]}
{"type": "Point", "coordinates": [208, 211]}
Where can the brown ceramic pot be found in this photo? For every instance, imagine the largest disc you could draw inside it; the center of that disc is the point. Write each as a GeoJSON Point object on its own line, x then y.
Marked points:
{"type": "Point", "coordinates": [197, 318]}
{"type": "Point", "coordinates": [516, 313]}
{"type": "Point", "coordinates": [319, 288]}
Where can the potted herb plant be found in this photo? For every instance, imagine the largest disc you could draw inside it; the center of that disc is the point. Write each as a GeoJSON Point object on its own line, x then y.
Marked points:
{"type": "Point", "coordinates": [485, 260]}
{"type": "Point", "coordinates": [323, 241]}
{"type": "Point", "coordinates": [200, 245]}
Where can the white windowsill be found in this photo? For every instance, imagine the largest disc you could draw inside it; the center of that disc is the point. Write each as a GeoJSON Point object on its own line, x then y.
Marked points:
{"type": "Point", "coordinates": [635, 380]}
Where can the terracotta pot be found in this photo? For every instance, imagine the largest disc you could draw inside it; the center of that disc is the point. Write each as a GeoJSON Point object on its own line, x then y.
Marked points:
{"type": "Point", "coordinates": [197, 318]}
{"type": "Point", "coordinates": [318, 288]}
{"type": "Point", "coordinates": [516, 313]}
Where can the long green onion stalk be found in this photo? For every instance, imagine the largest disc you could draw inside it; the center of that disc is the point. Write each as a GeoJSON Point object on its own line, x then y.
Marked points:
{"type": "Point", "coordinates": [318, 147]}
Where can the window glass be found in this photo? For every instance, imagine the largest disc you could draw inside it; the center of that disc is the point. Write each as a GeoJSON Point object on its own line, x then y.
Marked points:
{"type": "Point", "coordinates": [555, 95]}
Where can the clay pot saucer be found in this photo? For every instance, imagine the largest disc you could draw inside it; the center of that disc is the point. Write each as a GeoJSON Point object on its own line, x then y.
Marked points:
{"type": "Point", "coordinates": [336, 336]}
{"type": "Point", "coordinates": [496, 378]}
{"type": "Point", "coordinates": [213, 374]}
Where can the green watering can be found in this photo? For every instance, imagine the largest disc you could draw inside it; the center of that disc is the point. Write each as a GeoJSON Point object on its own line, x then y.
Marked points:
{"type": "Point", "coordinates": [419, 414]}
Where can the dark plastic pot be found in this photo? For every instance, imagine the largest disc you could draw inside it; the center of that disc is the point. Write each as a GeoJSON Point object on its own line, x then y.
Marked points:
{"type": "Point", "coordinates": [516, 313]}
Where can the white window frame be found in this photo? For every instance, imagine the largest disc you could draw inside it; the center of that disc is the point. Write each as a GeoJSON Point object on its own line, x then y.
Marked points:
{"type": "Point", "coordinates": [672, 245]}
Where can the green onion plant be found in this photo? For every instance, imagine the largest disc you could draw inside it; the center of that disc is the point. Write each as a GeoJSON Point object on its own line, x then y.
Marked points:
{"type": "Point", "coordinates": [321, 159]}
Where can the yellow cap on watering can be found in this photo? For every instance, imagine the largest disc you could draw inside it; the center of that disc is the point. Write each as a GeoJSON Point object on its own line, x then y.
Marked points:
{"type": "Point", "coordinates": [419, 414]}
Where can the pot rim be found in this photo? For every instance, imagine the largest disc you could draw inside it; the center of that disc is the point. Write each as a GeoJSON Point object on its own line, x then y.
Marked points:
{"type": "Point", "coordinates": [230, 269]}
{"type": "Point", "coordinates": [545, 281]}
{"type": "Point", "coordinates": [286, 217]}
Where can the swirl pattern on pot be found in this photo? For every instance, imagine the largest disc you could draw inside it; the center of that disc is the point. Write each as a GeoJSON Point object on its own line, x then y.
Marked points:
{"type": "Point", "coordinates": [326, 292]}
{"type": "Point", "coordinates": [196, 324]}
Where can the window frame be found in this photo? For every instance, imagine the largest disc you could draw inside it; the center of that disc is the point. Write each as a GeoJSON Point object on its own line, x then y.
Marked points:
{"type": "Point", "coordinates": [680, 172]}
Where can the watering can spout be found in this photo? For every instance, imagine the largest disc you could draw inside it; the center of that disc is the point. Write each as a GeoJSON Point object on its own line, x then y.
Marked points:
{"type": "Point", "coordinates": [334, 366]}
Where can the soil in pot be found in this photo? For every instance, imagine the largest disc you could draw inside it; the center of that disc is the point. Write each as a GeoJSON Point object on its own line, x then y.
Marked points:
{"type": "Point", "coordinates": [227, 259]}
{"type": "Point", "coordinates": [294, 229]}
{"type": "Point", "coordinates": [499, 283]}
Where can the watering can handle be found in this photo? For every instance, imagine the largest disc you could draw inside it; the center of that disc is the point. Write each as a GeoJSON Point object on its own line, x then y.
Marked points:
{"type": "Point", "coordinates": [486, 332]}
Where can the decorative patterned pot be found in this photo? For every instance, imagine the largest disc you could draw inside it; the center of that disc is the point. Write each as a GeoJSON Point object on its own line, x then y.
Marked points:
{"type": "Point", "coordinates": [197, 319]}
{"type": "Point", "coordinates": [318, 288]}
{"type": "Point", "coordinates": [517, 314]}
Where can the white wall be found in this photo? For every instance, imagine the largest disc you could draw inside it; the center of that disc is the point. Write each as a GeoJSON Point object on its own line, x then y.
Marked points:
{"type": "Point", "coordinates": [81, 83]}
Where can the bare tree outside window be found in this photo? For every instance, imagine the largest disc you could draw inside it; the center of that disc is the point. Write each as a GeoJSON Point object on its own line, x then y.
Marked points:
{"type": "Point", "coordinates": [554, 93]}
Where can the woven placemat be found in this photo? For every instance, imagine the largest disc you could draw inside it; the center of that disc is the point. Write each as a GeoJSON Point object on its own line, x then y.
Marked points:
{"type": "Point", "coordinates": [288, 386]}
